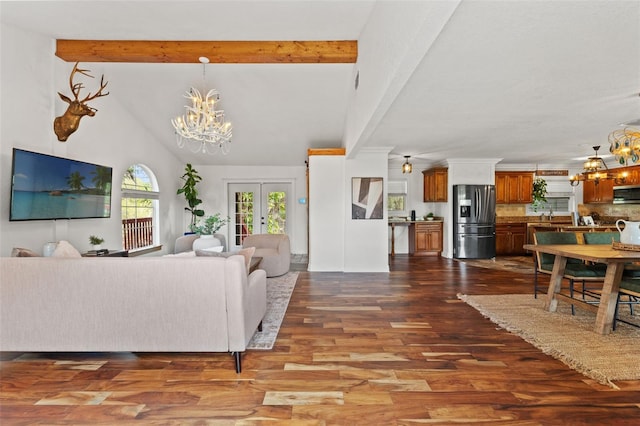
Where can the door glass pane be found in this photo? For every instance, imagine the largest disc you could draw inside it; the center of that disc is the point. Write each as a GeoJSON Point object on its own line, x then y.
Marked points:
{"type": "Point", "coordinates": [276, 212]}
{"type": "Point", "coordinates": [243, 212]}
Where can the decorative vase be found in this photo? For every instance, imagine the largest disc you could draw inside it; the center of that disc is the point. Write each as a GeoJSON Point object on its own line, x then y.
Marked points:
{"type": "Point", "coordinates": [97, 247]}
{"type": "Point", "coordinates": [206, 241]}
{"type": "Point", "coordinates": [48, 249]}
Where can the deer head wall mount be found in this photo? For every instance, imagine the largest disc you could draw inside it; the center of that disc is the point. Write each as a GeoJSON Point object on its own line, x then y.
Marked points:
{"type": "Point", "coordinates": [68, 122]}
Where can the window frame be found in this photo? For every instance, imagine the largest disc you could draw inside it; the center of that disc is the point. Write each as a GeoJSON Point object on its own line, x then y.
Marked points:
{"type": "Point", "coordinates": [153, 195]}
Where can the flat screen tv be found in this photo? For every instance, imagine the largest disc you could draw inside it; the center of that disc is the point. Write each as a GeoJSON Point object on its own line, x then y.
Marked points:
{"type": "Point", "coordinates": [48, 187]}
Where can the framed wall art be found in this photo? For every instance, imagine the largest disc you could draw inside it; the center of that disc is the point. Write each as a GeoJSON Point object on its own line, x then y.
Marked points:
{"type": "Point", "coordinates": [367, 198]}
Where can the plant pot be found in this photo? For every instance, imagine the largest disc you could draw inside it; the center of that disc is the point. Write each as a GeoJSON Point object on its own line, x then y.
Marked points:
{"type": "Point", "coordinates": [48, 249]}
{"type": "Point", "coordinates": [97, 247]}
{"type": "Point", "coordinates": [206, 241]}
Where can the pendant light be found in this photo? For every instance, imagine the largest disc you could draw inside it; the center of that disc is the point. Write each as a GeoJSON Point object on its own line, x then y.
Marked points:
{"type": "Point", "coordinates": [407, 167]}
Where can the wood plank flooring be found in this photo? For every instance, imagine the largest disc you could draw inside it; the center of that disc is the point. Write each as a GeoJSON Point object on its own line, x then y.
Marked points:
{"type": "Point", "coordinates": [375, 349]}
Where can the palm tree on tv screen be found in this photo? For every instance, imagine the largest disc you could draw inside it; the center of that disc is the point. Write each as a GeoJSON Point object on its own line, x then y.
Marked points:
{"type": "Point", "coordinates": [101, 178]}
{"type": "Point", "coordinates": [75, 181]}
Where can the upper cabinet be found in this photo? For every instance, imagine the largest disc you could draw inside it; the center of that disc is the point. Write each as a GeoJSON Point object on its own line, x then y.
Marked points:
{"type": "Point", "coordinates": [514, 187]}
{"type": "Point", "coordinates": [600, 193]}
{"type": "Point", "coordinates": [603, 192]}
{"type": "Point", "coordinates": [632, 175]}
{"type": "Point", "coordinates": [435, 185]}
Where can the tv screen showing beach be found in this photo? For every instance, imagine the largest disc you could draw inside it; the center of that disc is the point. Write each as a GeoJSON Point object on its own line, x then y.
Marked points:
{"type": "Point", "coordinates": [48, 187]}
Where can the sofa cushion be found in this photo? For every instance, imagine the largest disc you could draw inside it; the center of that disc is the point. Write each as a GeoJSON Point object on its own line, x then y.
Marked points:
{"type": "Point", "coordinates": [65, 249]}
{"type": "Point", "coordinates": [247, 252]}
{"type": "Point", "coordinates": [181, 254]}
{"type": "Point", "coordinates": [23, 252]}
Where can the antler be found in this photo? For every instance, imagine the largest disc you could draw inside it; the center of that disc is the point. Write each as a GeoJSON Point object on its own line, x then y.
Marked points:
{"type": "Point", "coordinates": [99, 92]}
{"type": "Point", "coordinates": [75, 88]}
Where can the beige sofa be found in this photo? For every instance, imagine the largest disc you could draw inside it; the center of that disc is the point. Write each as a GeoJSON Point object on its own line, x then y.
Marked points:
{"type": "Point", "coordinates": [144, 304]}
{"type": "Point", "coordinates": [275, 251]}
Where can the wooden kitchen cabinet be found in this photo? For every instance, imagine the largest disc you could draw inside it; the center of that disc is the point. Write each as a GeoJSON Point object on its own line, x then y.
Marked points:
{"type": "Point", "coordinates": [435, 185]}
{"type": "Point", "coordinates": [510, 237]}
{"type": "Point", "coordinates": [514, 187]}
{"type": "Point", "coordinates": [632, 175]}
{"type": "Point", "coordinates": [600, 193]}
{"type": "Point", "coordinates": [425, 239]}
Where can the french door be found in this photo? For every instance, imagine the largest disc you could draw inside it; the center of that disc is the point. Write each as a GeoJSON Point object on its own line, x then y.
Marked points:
{"type": "Point", "coordinates": [257, 208]}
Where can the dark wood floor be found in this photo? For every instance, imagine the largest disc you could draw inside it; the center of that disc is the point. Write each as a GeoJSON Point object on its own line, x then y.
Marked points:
{"type": "Point", "coordinates": [392, 349]}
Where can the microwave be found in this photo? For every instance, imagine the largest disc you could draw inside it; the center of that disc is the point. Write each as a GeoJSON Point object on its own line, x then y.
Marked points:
{"type": "Point", "coordinates": [628, 194]}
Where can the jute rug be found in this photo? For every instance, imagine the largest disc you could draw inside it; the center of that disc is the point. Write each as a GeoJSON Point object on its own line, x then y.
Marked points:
{"type": "Point", "coordinates": [568, 338]}
{"type": "Point", "coordinates": [279, 290]}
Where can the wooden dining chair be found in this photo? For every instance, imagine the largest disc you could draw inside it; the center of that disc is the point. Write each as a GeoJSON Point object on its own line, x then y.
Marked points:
{"type": "Point", "coordinates": [575, 270]}
{"type": "Point", "coordinates": [629, 288]}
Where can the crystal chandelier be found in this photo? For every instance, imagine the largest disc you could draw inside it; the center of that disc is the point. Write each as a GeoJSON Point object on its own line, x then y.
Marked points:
{"type": "Point", "coordinates": [625, 145]}
{"type": "Point", "coordinates": [595, 169]}
{"type": "Point", "coordinates": [202, 127]}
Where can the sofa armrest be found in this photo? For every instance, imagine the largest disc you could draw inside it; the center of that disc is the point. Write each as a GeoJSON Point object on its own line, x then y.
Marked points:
{"type": "Point", "coordinates": [284, 246]}
{"type": "Point", "coordinates": [246, 302]}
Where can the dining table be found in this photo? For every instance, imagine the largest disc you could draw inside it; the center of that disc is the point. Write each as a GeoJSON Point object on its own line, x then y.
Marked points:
{"type": "Point", "coordinates": [613, 258]}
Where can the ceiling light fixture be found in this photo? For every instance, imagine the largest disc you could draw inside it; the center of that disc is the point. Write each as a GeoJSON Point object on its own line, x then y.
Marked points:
{"type": "Point", "coordinates": [202, 127]}
{"type": "Point", "coordinates": [625, 145]}
{"type": "Point", "coordinates": [595, 169]}
{"type": "Point", "coordinates": [407, 167]}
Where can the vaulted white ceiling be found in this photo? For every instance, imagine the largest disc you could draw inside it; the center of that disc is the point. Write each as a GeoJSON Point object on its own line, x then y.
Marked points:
{"type": "Point", "coordinates": [532, 82]}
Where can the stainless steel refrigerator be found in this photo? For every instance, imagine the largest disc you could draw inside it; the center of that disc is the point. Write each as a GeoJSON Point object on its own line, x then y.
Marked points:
{"type": "Point", "coordinates": [474, 221]}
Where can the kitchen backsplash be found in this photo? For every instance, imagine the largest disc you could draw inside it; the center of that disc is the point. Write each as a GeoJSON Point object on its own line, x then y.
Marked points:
{"type": "Point", "coordinates": [625, 211]}
{"type": "Point", "coordinates": [511, 210]}
{"type": "Point", "coordinates": [628, 211]}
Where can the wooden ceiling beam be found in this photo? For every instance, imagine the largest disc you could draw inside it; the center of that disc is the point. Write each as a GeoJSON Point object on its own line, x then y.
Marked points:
{"type": "Point", "coordinates": [236, 52]}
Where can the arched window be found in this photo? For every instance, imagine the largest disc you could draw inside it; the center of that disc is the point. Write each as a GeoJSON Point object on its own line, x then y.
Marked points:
{"type": "Point", "coordinates": [139, 208]}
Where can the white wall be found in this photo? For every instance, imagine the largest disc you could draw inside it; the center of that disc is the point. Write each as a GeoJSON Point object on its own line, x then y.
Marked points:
{"type": "Point", "coordinates": [327, 194]}
{"type": "Point", "coordinates": [30, 78]}
{"type": "Point", "coordinates": [365, 240]}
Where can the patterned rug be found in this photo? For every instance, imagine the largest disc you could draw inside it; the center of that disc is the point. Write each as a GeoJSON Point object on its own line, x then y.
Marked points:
{"type": "Point", "coordinates": [279, 290]}
{"type": "Point", "coordinates": [568, 338]}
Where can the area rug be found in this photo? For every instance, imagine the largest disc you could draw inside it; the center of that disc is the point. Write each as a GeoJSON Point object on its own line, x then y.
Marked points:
{"type": "Point", "coordinates": [568, 338]}
{"type": "Point", "coordinates": [519, 264]}
{"type": "Point", "coordinates": [279, 290]}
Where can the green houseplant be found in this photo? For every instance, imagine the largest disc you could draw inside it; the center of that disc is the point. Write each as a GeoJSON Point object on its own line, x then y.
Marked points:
{"type": "Point", "coordinates": [539, 193]}
{"type": "Point", "coordinates": [211, 225]}
{"type": "Point", "coordinates": [190, 192]}
{"type": "Point", "coordinates": [95, 241]}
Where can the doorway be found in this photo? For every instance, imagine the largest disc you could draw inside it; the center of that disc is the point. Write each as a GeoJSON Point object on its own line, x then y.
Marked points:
{"type": "Point", "coordinates": [258, 208]}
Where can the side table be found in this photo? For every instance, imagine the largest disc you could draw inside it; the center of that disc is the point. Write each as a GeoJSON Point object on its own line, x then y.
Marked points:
{"type": "Point", "coordinates": [109, 253]}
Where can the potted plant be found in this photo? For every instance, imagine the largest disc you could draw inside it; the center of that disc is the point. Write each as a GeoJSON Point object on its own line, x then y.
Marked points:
{"type": "Point", "coordinates": [191, 178]}
{"type": "Point", "coordinates": [211, 225]}
{"type": "Point", "coordinates": [539, 193]}
{"type": "Point", "coordinates": [96, 242]}
{"type": "Point", "coordinates": [429, 216]}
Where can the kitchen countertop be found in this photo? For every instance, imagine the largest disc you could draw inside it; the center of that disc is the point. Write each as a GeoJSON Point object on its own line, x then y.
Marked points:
{"type": "Point", "coordinates": [533, 219]}
{"type": "Point", "coordinates": [395, 222]}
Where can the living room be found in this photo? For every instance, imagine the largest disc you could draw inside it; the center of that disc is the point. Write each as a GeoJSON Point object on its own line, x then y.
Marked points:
{"type": "Point", "coordinates": [476, 86]}
{"type": "Point", "coordinates": [30, 82]}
